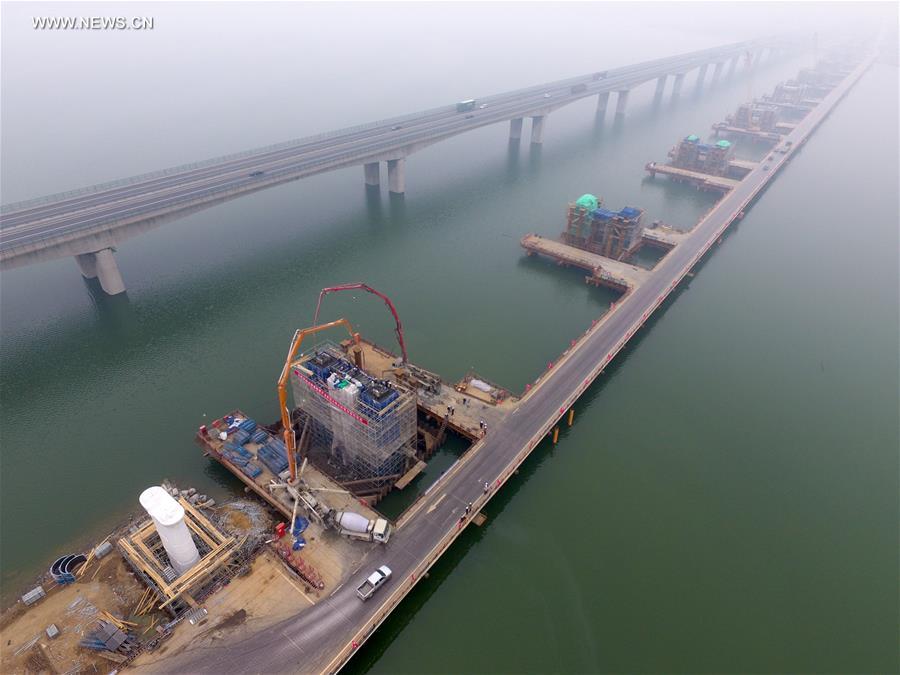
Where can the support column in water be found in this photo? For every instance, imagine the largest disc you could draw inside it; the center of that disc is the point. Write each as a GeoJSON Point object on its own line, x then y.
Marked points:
{"type": "Point", "coordinates": [373, 173]}
{"type": "Point", "coordinates": [397, 176]}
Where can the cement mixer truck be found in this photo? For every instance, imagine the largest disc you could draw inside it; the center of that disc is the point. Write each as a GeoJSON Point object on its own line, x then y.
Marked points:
{"type": "Point", "coordinates": [356, 526]}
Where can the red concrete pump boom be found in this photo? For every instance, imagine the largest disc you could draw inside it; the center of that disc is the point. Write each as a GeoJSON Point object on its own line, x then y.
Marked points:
{"type": "Point", "coordinates": [351, 287]}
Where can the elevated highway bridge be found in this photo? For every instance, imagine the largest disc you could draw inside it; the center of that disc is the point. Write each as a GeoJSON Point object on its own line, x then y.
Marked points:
{"type": "Point", "coordinates": [89, 223]}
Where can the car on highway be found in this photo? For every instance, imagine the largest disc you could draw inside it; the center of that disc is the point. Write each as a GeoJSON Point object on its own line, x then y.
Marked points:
{"type": "Point", "coordinates": [765, 167]}
{"type": "Point", "coordinates": [600, 75]}
{"type": "Point", "coordinates": [548, 95]}
{"type": "Point", "coordinates": [254, 174]}
{"type": "Point", "coordinates": [396, 127]}
{"type": "Point", "coordinates": [482, 106]}
{"type": "Point", "coordinates": [373, 582]}
{"type": "Point", "coordinates": [468, 117]}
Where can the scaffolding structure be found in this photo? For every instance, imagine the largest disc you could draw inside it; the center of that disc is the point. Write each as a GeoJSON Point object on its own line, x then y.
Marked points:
{"type": "Point", "coordinates": [790, 92]}
{"type": "Point", "coordinates": [693, 155]}
{"type": "Point", "coordinates": [754, 117]}
{"type": "Point", "coordinates": [608, 233]}
{"type": "Point", "coordinates": [144, 552]}
{"type": "Point", "coordinates": [361, 430]}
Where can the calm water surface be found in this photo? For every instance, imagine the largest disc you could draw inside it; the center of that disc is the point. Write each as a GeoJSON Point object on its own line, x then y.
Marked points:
{"type": "Point", "coordinates": [727, 498]}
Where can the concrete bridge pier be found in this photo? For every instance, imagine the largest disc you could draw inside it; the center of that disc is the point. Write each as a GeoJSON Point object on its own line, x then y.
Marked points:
{"type": "Point", "coordinates": [733, 65]}
{"type": "Point", "coordinates": [515, 129]}
{"type": "Point", "coordinates": [677, 84]}
{"type": "Point", "coordinates": [717, 71]}
{"type": "Point", "coordinates": [373, 173]}
{"type": "Point", "coordinates": [537, 129]}
{"type": "Point", "coordinates": [622, 102]}
{"type": "Point", "coordinates": [397, 176]}
{"type": "Point", "coordinates": [102, 266]}
{"type": "Point", "coordinates": [602, 102]}
{"type": "Point", "coordinates": [660, 86]}
{"type": "Point", "coordinates": [702, 74]}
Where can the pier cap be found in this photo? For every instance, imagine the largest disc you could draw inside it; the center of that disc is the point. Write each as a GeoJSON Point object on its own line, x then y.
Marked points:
{"type": "Point", "coordinates": [161, 506]}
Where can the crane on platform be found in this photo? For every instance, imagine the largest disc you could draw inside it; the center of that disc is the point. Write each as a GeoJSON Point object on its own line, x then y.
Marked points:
{"type": "Point", "coordinates": [398, 327]}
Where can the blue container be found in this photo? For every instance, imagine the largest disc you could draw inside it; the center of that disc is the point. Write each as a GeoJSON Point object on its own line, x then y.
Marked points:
{"type": "Point", "coordinates": [251, 469]}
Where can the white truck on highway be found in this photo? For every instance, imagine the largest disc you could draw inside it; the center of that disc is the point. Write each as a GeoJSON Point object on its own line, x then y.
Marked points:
{"type": "Point", "coordinates": [373, 582]}
{"type": "Point", "coordinates": [354, 525]}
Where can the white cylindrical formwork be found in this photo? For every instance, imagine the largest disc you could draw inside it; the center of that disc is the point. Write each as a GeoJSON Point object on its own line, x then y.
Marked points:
{"type": "Point", "coordinates": [168, 516]}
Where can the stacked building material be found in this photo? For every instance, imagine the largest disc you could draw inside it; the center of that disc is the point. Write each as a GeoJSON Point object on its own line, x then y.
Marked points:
{"type": "Point", "coordinates": [274, 455]}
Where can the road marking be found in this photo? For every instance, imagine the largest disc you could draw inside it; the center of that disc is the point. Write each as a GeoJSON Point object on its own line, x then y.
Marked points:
{"type": "Point", "coordinates": [435, 505]}
{"type": "Point", "coordinates": [299, 648]}
{"type": "Point", "coordinates": [299, 590]}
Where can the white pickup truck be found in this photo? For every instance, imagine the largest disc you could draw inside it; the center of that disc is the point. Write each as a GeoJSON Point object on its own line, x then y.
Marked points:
{"type": "Point", "coordinates": [375, 581]}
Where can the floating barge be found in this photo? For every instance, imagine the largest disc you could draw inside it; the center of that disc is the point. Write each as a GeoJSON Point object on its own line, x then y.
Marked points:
{"type": "Point", "coordinates": [613, 274]}
{"type": "Point", "coordinates": [702, 181]}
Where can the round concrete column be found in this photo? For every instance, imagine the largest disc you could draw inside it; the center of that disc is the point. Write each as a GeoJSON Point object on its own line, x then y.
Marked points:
{"type": "Point", "coordinates": [108, 272]}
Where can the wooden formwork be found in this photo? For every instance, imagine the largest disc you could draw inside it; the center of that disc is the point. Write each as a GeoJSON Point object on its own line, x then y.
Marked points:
{"type": "Point", "coordinates": [144, 552]}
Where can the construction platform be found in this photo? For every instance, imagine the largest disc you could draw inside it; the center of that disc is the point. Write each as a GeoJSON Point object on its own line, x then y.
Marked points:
{"type": "Point", "coordinates": [614, 274]}
{"type": "Point", "coordinates": [722, 127]}
{"type": "Point", "coordinates": [144, 552]}
{"type": "Point", "coordinates": [799, 109]}
{"type": "Point", "coordinates": [663, 237]}
{"type": "Point", "coordinates": [470, 401]}
{"type": "Point", "coordinates": [743, 165]}
{"type": "Point", "coordinates": [266, 483]}
{"type": "Point", "coordinates": [702, 181]}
